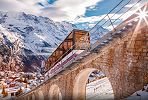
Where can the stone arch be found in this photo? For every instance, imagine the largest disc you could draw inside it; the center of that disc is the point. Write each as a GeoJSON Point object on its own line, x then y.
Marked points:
{"type": "Point", "coordinates": [40, 95]}
{"type": "Point", "coordinates": [55, 93]}
{"type": "Point", "coordinates": [79, 86]}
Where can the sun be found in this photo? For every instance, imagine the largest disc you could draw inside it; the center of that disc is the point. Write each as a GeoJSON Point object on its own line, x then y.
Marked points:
{"type": "Point", "coordinates": [142, 14]}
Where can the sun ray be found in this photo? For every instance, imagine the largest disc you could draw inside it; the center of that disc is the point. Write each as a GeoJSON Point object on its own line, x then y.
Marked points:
{"type": "Point", "coordinates": [142, 16]}
{"type": "Point", "coordinates": [134, 35]}
{"type": "Point", "coordinates": [146, 21]}
{"type": "Point", "coordinates": [144, 10]}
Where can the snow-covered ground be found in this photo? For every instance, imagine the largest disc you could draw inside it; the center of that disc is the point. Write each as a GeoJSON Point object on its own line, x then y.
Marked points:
{"type": "Point", "coordinates": [16, 82]}
{"type": "Point", "coordinates": [102, 90]}
{"type": "Point", "coordinates": [140, 95]}
{"type": "Point", "coordinates": [99, 90]}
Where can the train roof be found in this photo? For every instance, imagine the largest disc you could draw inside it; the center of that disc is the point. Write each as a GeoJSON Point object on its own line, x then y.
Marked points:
{"type": "Point", "coordinates": [67, 43]}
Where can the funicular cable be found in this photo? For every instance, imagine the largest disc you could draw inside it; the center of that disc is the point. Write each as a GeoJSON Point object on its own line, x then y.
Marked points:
{"type": "Point", "coordinates": [127, 11]}
{"type": "Point", "coordinates": [106, 15]}
{"type": "Point", "coordinates": [112, 16]}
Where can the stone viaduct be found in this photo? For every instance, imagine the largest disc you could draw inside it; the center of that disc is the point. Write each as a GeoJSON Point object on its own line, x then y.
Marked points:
{"type": "Point", "coordinates": [124, 60]}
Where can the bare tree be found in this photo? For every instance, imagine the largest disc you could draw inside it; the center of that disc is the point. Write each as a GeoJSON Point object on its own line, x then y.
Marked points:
{"type": "Point", "coordinates": [14, 58]}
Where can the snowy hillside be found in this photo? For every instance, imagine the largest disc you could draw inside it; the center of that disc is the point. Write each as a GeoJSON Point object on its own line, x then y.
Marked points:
{"type": "Point", "coordinates": [101, 89]}
{"type": "Point", "coordinates": [37, 36]}
{"type": "Point", "coordinates": [36, 33]}
{"type": "Point", "coordinates": [97, 32]}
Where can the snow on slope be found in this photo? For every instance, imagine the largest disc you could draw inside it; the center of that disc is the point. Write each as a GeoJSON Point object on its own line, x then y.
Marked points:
{"type": "Point", "coordinates": [35, 32]}
{"type": "Point", "coordinates": [140, 95]}
{"type": "Point", "coordinates": [95, 32]}
{"type": "Point", "coordinates": [99, 90]}
{"type": "Point", "coordinates": [38, 36]}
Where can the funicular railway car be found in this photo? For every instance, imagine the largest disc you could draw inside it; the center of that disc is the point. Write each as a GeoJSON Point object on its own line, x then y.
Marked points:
{"type": "Point", "coordinates": [75, 43]}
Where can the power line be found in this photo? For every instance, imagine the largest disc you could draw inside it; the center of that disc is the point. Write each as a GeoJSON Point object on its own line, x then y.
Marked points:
{"type": "Point", "coordinates": [127, 11]}
{"type": "Point", "coordinates": [117, 11]}
{"type": "Point", "coordinates": [111, 16]}
{"type": "Point", "coordinates": [107, 14]}
{"type": "Point", "coordinates": [115, 14]}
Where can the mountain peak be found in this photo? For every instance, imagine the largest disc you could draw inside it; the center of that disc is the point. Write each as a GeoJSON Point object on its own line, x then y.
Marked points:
{"type": "Point", "coordinates": [36, 34]}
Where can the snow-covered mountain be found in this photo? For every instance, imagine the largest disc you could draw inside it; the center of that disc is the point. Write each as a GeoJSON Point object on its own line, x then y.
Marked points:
{"type": "Point", "coordinates": [96, 31]}
{"type": "Point", "coordinates": [34, 32]}
{"type": "Point", "coordinates": [36, 36]}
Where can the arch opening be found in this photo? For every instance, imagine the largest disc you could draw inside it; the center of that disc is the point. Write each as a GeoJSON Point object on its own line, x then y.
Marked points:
{"type": "Point", "coordinates": [55, 93]}
{"type": "Point", "coordinates": [92, 84]}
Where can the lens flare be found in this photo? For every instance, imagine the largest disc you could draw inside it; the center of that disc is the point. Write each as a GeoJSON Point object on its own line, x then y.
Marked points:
{"type": "Point", "coordinates": [142, 16]}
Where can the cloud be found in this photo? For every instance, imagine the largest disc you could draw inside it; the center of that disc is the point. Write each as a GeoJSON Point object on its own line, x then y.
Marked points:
{"type": "Point", "coordinates": [141, 3]}
{"type": "Point", "coordinates": [60, 10]}
{"type": "Point", "coordinates": [54, 13]}
{"type": "Point", "coordinates": [98, 18]}
{"type": "Point", "coordinates": [92, 8]}
{"type": "Point", "coordinates": [68, 9]}
{"type": "Point", "coordinates": [9, 5]}
{"type": "Point", "coordinates": [89, 22]}
{"type": "Point", "coordinates": [28, 6]}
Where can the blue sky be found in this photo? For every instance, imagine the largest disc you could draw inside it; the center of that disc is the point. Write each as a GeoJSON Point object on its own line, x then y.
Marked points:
{"type": "Point", "coordinates": [51, 1]}
{"type": "Point", "coordinates": [80, 12]}
{"type": "Point", "coordinates": [102, 7]}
